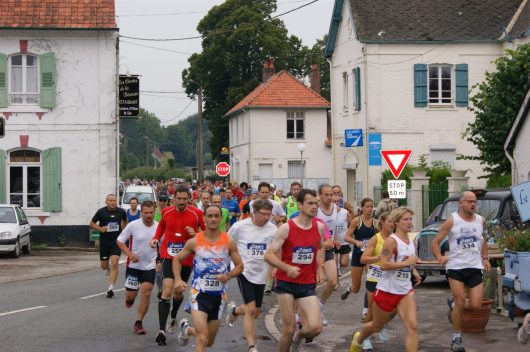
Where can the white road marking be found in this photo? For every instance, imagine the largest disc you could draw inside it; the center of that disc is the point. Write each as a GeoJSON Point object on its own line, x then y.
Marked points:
{"type": "Point", "coordinates": [21, 310]}
{"type": "Point", "coordinates": [101, 294]}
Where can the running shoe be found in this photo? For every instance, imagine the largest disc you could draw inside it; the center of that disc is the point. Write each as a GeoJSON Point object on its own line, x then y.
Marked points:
{"type": "Point", "coordinates": [457, 345]}
{"type": "Point", "coordinates": [295, 345]}
{"type": "Point", "coordinates": [230, 319]}
{"type": "Point", "coordinates": [183, 337]}
{"type": "Point", "coordinates": [268, 287]}
{"type": "Point", "coordinates": [252, 349]}
{"type": "Point", "coordinates": [161, 338]}
{"type": "Point", "coordinates": [110, 294]}
{"type": "Point", "coordinates": [355, 347]}
{"type": "Point", "coordinates": [346, 293]}
{"type": "Point", "coordinates": [187, 307]}
{"type": "Point", "coordinates": [138, 328]}
{"type": "Point", "coordinates": [384, 337]}
{"type": "Point", "coordinates": [325, 322]}
{"type": "Point", "coordinates": [450, 302]}
{"type": "Point", "coordinates": [171, 326]}
{"type": "Point", "coordinates": [367, 345]}
{"type": "Point", "coordinates": [522, 335]}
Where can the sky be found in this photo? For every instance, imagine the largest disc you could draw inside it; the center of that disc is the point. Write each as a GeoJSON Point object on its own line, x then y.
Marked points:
{"type": "Point", "coordinates": [160, 64]}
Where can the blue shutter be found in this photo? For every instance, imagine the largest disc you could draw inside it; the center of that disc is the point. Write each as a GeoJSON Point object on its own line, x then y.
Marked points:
{"type": "Point", "coordinates": [461, 85]}
{"type": "Point", "coordinates": [51, 164]}
{"type": "Point", "coordinates": [3, 178]}
{"type": "Point", "coordinates": [420, 85]}
{"type": "Point", "coordinates": [357, 71]}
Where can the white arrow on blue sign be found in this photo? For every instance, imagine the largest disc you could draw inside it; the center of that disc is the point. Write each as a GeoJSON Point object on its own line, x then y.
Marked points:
{"type": "Point", "coordinates": [353, 138]}
{"type": "Point", "coordinates": [521, 196]}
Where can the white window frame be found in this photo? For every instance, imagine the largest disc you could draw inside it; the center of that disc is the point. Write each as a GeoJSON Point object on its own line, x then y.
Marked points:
{"type": "Point", "coordinates": [24, 94]}
{"type": "Point", "coordinates": [439, 78]}
{"type": "Point", "coordinates": [25, 166]}
{"type": "Point", "coordinates": [295, 116]}
{"type": "Point", "coordinates": [345, 91]}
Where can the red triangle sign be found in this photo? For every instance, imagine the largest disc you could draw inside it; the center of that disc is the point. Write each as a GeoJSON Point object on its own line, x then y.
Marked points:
{"type": "Point", "coordinates": [396, 160]}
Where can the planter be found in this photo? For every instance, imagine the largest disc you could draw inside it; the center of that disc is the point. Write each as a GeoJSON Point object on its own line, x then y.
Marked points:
{"type": "Point", "coordinates": [458, 173]}
{"type": "Point", "coordinates": [419, 173]}
{"type": "Point", "coordinates": [476, 321]}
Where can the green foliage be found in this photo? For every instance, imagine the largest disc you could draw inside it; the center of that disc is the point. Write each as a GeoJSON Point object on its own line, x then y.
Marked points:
{"type": "Point", "coordinates": [514, 239]}
{"type": "Point", "coordinates": [495, 104]}
{"type": "Point", "coordinates": [156, 174]}
{"type": "Point", "coordinates": [238, 35]}
{"type": "Point", "coordinates": [499, 181]}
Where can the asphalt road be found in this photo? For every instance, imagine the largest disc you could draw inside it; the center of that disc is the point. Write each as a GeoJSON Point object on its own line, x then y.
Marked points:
{"type": "Point", "coordinates": [71, 313]}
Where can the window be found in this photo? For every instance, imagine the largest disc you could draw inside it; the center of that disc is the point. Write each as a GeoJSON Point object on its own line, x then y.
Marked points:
{"type": "Point", "coordinates": [265, 171]}
{"type": "Point", "coordinates": [440, 84]}
{"type": "Point", "coordinates": [24, 79]}
{"type": "Point", "coordinates": [295, 125]}
{"type": "Point", "coordinates": [345, 90]}
{"type": "Point", "coordinates": [25, 178]}
{"type": "Point", "coordinates": [295, 169]}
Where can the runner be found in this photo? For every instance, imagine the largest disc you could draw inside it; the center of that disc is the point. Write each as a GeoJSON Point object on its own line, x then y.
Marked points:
{"type": "Point", "coordinates": [141, 262]}
{"type": "Point", "coordinates": [253, 237]}
{"type": "Point", "coordinates": [213, 251]}
{"type": "Point", "coordinates": [464, 263]}
{"type": "Point", "coordinates": [179, 223]}
{"type": "Point", "coordinates": [133, 213]}
{"type": "Point", "coordinates": [224, 224]}
{"type": "Point", "coordinates": [163, 201]}
{"type": "Point", "coordinates": [297, 252]}
{"type": "Point", "coordinates": [109, 221]}
{"type": "Point", "coordinates": [394, 293]}
{"type": "Point", "coordinates": [230, 203]}
{"type": "Point", "coordinates": [289, 204]}
{"type": "Point", "coordinates": [342, 248]}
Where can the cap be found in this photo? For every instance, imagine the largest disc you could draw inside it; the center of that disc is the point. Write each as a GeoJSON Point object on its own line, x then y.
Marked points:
{"type": "Point", "coordinates": [163, 197]}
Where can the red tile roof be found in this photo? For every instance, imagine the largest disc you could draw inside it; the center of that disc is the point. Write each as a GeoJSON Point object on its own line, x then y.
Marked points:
{"type": "Point", "coordinates": [73, 14]}
{"type": "Point", "coordinates": [282, 90]}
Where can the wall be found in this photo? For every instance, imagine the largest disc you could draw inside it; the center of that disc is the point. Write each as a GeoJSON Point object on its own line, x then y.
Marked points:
{"type": "Point", "coordinates": [520, 153]}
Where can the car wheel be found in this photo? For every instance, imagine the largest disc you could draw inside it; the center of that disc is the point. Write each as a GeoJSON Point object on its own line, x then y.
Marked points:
{"type": "Point", "coordinates": [27, 248]}
{"type": "Point", "coordinates": [16, 251]}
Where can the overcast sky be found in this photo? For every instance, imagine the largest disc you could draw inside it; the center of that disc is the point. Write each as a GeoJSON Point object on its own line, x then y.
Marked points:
{"type": "Point", "coordinates": [161, 70]}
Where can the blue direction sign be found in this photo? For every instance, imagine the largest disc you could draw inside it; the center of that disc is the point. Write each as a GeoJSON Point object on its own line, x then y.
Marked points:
{"type": "Point", "coordinates": [521, 196]}
{"type": "Point", "coordinates": [353, 138]}
{"type": "Point", "coordinates": [374, 149]}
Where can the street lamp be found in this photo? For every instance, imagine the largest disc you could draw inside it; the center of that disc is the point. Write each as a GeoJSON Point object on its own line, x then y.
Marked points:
{"type": "Point", "coordinates": [301, 148]}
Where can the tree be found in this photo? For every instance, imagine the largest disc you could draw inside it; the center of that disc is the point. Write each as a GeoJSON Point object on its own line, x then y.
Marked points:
{"type": "Point", "coordinates": [238, 36]}
{"type": "Point", "coordinates": [495, 105]}
{"type": "Point", "coordinates": [315, 55]}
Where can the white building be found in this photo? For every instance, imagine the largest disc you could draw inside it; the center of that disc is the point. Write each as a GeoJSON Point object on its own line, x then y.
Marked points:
{"type": "Point", "coordinates": [517, 144]}
{"type": "Point", "coordinates": [401, 71]}
{"type": "Point", "coordinates": [267, 127]}
{"type": "Point", "coordinates": [58, 73]}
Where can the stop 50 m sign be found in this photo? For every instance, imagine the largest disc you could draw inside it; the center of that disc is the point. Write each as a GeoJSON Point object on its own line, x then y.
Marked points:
{"type": "Point", "coordinates": [222, 169]}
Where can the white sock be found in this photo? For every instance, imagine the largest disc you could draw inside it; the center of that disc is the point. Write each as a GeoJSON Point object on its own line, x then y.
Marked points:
{"type": "Point", "coordinates": [456, 334]}
{"type": "Point", "coordinates": [365, 311]}
{"type": "Point", "coordinates": [111, 287]}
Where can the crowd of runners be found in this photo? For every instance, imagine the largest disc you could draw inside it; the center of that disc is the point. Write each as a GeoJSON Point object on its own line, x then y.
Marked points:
{"type": "Point", "coordinates": [198, 238]}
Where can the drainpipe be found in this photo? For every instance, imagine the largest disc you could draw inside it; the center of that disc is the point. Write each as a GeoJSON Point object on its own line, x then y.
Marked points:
{"type": "Point", "coordinates": [512, 162]}
{"type": "Point", "coordinates": [365, 91]}
{"type": "Point", "coordinates": [333, 145]}
{"type": "Point", "coordinates": [117, 79]}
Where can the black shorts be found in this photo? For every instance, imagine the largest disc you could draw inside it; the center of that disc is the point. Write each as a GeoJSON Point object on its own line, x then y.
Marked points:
{"type": "Point", "coordinates": [135, 277]}
{"type": "Point", "coordinates": [343, 249]}
{"type": "Point", "coordinates": [251, 292]}
{"type": "Point", "coordinates": [108, 247]}
{"type": "Point", "coordinates": [329, 255]}
{"type": "Point", "coordinates": [294, 289]}
{"type": "Point", "coordinates": [371, 286]}
{"type": "Point", "coordinates": [471, 277]}
{"type": "Point", "coordinates": [212, 305]}
{"type": "Point", "coordinates": [356, 259]}
{"type": "Point", "coordinates": [167, 270]}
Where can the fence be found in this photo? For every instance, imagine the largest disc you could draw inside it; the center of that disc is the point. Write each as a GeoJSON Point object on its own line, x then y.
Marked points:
{"type": "Point", "coordinates": [432, 196]}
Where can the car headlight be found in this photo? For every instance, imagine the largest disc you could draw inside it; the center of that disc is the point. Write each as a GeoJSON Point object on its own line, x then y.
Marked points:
{"type": "Point", "coordinates": [6, 234]}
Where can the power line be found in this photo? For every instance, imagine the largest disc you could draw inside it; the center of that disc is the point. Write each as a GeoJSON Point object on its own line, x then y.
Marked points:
{"type": "Point", "coordinates": [179, 114]}
{"type": "Point", "coordinates": [164, 96]}
{"type": "Point", "coordinates": [164, 91]}
{"type": "Point", "coordinates": [156, 48]}
{"type": "Point", "coordinates": [295, 9]}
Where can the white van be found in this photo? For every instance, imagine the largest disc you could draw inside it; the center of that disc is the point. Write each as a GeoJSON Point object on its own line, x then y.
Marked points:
{"type": "Point", "coordinates": [142, 193]}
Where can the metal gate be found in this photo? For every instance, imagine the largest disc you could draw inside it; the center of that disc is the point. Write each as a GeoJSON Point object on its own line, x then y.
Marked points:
{"type": "Point", "coordinates": [432, 196]}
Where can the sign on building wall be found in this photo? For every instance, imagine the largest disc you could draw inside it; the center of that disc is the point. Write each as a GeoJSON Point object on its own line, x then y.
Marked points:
{"type": "Point", "coordinates": [374, 149]}
{"type": "Point", "coordinates": [521, 196]}
{"type": "Point", "coordinates": [353, 138]}
{"type": "Point", "coordinates": [129, 96]}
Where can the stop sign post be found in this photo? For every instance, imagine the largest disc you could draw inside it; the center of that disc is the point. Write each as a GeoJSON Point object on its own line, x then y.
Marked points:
{"type": "Point", "coordinates": [222, 169]}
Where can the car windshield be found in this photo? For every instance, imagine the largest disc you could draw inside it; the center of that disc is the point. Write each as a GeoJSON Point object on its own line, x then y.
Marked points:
{"type": "Point", "coordinates": [7, 215]}
{"type": "Point", "coordinates": [140, 196]}
{"type": "Point", "coordinates": [486, 207]}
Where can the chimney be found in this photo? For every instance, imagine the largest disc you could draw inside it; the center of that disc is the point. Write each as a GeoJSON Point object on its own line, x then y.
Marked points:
{"type": "Point", "coordinates": [268, 69]}
{"type": "Point", "coordinates": [314, 78]}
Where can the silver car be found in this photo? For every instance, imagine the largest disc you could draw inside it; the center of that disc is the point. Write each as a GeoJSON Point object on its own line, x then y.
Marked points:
{"type": "Point", "coordinates": [15, 231]}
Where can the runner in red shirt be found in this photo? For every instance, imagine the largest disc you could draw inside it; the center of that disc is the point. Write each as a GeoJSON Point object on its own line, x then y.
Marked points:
{"type": "Point", "coordinates": [179, 223]}
{"type": "Point", "coordinates": [300, 242]}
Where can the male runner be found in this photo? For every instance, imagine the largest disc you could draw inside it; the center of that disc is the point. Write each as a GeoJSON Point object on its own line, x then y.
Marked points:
{"type": "Point", "coordinates": [141, 263]}
{"type": "Point", "coordinates": [464, 263]}
{"type": "Point", "coordinates": [109, 221]}
{"type": "Point", "coordinates": [289, 204]}
{"type": "Point", "coordinates": [179, 223]}
{"type": "Point", "coordinates": [213, 251]}
{"type": "Point", "coordinates": [230, 203]}
{"type": "Point", "coordinates": [253, 237]}
{"type": "Point", "coordinates": [294, 251]}
{"type": "Point", "coordinates": [224, 224]}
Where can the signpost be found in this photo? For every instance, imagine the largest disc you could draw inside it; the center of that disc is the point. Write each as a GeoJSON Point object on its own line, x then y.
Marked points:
{"type": "Point", "coordinates": [129, 96]}
{"type": "Point", "coordinates": [222, 169]}
{"type": "Point", "coordinates": [396, 161]}
{"type": "Point", "coordinates": [521, 197]}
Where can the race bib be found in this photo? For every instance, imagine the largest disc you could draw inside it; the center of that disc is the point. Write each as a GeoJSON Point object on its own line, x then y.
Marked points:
{"type": "Point", "coordinates": [209, 282]}
{"type": "Point", "coordinates": [174, 248]}
{"type": "Point", "coordinates": [131, 282]}
{"type": "Point", "coordinates": [365, 244]}
{"type": "Point", "coordinates": [374, 272]}
{"type": "Point", "coordinates": [467, 243]}
{"type": "Point", "coordinates": [113, 227]}
{"type": "Point", "coordinates": [256, 250]}
{"type": "Point", "coordinates": [303, 255]}
{"type": "Point", "coordinates": [403, 274]}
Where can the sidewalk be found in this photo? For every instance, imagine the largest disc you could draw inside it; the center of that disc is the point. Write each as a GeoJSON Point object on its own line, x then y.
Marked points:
{"type": "Point", "coordinates": [434, 329]}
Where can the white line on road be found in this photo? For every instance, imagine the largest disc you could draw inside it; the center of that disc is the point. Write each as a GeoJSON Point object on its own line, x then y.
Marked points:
{"type": "Point", "coordinates": [21, 310]}
{"type": "Point", "coordinates": [101, 294]}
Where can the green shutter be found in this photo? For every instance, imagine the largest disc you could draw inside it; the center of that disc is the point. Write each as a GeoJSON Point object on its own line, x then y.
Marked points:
{"type": "Point", "coordinates": [3, 178]}
{"type": "Point", "coordinates": [357, 71]}
{"type": "Point", "coordinates": [47, 80]}
{"type": "Point", "coordinates": [3, 81]}
{"type": "Point", "coordinates": [461, 85]}
{"type": "Point", "coordinates": [52, 199]}
{"type": "Point", "coordinates": [420, 85]}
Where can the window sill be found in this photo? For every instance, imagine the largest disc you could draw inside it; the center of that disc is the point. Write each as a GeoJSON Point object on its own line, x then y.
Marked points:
{"type": "Point", "coordinates": [449, 107]}
{"type": "Point", "coordinates": [24, 108]}
{"type": "Point", "coordinates": [36, 213]}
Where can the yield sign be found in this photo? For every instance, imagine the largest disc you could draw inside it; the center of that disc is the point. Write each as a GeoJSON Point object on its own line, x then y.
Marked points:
{"type": "Point", "coordinates": [396, 160]}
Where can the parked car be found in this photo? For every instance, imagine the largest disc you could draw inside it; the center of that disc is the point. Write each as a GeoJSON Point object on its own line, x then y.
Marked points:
{"type": "Point", "coordinates": [15, 231]}
{"type": "Point", "coordinates": [496, 205]}
{"type": "Point", "coordinates": [142, 193]}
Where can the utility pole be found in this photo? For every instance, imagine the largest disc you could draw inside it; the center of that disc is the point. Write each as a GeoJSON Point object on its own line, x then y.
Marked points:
{"type": "Point", "coordinates": [200, 154]}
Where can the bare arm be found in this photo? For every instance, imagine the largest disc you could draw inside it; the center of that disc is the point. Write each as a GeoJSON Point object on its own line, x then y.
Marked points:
{"type": "Point", "coordinates": [388, 251]}
{"type": "Point", "coordinates": [484, 250]}
{"type": "Point", "coordinates": [98, 228]}
{"type": "Point", "coordinates": [368, 257]}
{"type": "Point", "coordinates": [188, 249]}
{"type": "Point", "coordinates": [349, 237]}
{"type": "Point", "coordinates": [272, 254]}
{"type": "Point", "coordinates": [236, 259]}
{"type": "Point", "coordinates": [436, 242]}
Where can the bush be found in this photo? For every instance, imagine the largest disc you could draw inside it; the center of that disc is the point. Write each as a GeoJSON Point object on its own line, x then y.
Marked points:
{"type": "Point", "coordinates": [499, 181]}
{"type": "Point", "coordinates": [149, 173]}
